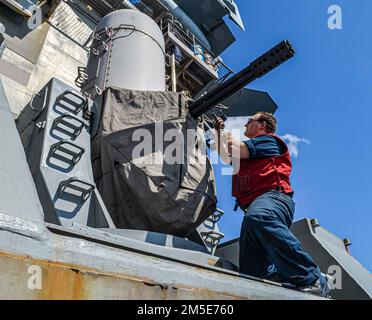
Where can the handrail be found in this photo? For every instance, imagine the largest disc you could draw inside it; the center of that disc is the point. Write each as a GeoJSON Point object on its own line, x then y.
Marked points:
{"type": "Point", "coordinates": [168, 23]}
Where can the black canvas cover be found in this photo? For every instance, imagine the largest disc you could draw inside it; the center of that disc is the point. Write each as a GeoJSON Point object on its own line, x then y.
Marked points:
{"type": "Point", "coordinates": [150, 165]}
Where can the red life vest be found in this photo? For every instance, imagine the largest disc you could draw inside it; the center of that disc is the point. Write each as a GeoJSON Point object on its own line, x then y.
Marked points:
{"type": "Point", "coordinates": [255, 177]}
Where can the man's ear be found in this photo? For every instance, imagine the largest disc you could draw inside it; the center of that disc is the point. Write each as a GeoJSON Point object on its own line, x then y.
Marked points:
{"type": "Point", "coordinates": [264, 124]}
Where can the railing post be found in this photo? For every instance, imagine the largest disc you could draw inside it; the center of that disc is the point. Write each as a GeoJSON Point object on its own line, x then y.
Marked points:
{"type": "Point", "coordinates": [193, 44]}
{"type": "Point", "coordinates": [173, 73]}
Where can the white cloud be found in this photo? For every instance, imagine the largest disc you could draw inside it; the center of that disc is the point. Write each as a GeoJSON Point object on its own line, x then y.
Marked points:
{"type": "Point", "coordinates": [293, 142]}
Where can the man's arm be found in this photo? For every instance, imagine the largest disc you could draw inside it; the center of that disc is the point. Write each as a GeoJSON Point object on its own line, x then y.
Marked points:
{"type": "Point", "coordinates": [227, 146]}
{"type": "Point", "coordinates": [237, 148]}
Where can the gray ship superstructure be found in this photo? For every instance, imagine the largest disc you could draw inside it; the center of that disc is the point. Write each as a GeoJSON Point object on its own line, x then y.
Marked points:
{"type": "Point", "coordinates": [79, 78]}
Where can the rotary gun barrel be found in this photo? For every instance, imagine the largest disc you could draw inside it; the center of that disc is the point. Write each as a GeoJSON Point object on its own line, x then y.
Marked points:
{"type": "Point", "coordinates": [256, 69]}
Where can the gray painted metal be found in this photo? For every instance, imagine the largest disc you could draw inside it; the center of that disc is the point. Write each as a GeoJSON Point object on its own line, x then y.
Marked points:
{"type": "Point", "coordinates": [25, 7]}
{"type": "Point", "coordinates": [73, 23]}
{"type": "Point", "coordinates": [234, 12]}
{"type": "Point", "coordinates": [57, 143]}
{"type": "Point", "coordinates": [230, 251]}
{"type": "Point", "coordinates": [208, 233]}
{"type": "Point", "coordinates": [19, 38]}
{"type": "Point", "coordinates": [328, 251]}
{"type": "Point", "coordinates": [215, 10]}
{"type": "Point", "coordinates": [208, 16]}
{"type": "Point", "coordinates": [186, 21]}
{"type": "Point", "coordinates": [128, 52]}
{"type": "Point", "coordinates": [23, 232]}
{"type": "Point", "coordinates": [13, 72]}
{"type": "Point", "coordinates": [147, 269]}
{"type": "Point", "coordinates": [18, 195]}
{"type": "Point", "coordinates": [160, 239]}
{"type": "Point", "coordinates": [247, 102]}
{"type": "Point", "coordinates": [2, 43]}
{"type": "Point", "coordinates": [148, 243]}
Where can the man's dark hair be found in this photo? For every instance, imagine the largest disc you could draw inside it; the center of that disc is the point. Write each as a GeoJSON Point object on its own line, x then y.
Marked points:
{"type": "Point", "coordinates": [269, 119]}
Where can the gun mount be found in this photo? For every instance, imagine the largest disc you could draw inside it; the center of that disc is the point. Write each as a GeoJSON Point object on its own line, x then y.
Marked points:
{"type": "Point", "coordinates": [52, 211]}
{"type": "Point", "coordinates": [256, 69]}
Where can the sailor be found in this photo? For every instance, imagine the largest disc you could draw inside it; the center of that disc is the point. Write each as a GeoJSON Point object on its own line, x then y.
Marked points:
{"type": "Point", "coordinates": [261, 186]}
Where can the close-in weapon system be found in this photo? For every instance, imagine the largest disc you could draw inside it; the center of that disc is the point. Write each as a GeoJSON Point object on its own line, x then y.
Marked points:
{"type": "Point", "coordinates": [256, 69]}
{"type": "Point", "coordinates": [103, 94]}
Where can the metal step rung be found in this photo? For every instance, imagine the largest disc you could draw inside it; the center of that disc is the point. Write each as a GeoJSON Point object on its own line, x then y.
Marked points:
{"type": "Point", "coordinates": [61, 147]}
{"type": "Point", "coordinates": [71, 101]}
{"type": "Point", "coordinates": [215, 217]}
{"type": "Point", "coordinates": [213, 236]}
{"type": "Point", "coordinates": [76, 184]}
{"type": "Point", "coordinates": [67, 121]}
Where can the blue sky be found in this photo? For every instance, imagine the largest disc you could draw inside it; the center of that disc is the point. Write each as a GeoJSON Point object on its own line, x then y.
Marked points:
{"type": "Point", "coordinates": [324, 96]}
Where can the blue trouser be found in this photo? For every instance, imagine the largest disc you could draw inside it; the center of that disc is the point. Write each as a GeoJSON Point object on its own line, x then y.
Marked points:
{"type": "Point", "coordinates": [268, 249]}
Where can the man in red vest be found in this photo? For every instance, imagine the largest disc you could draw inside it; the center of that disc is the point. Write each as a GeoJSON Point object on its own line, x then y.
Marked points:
{"type": "Point", "coordinates": [261, 186]}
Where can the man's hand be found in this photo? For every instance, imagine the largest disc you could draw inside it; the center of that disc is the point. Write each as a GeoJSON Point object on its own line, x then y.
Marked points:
{"type": "Point", "coordinates": [219, 124]}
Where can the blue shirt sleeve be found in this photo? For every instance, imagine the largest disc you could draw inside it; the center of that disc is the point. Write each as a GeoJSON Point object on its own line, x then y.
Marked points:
{"type": "Point", "coordinates": [263, 147]}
